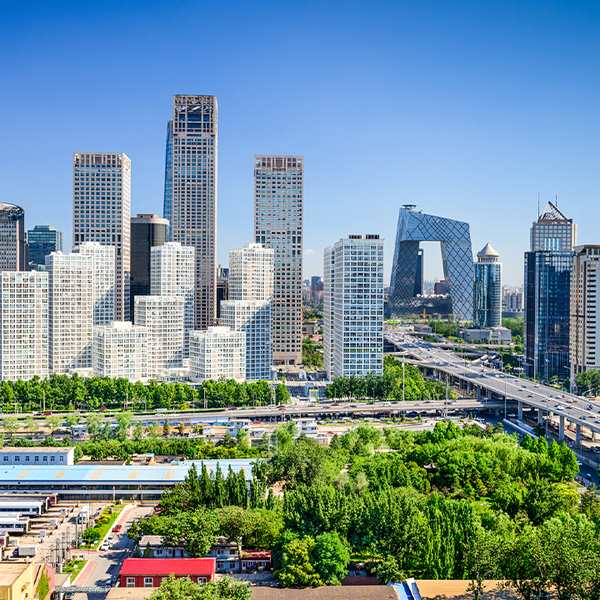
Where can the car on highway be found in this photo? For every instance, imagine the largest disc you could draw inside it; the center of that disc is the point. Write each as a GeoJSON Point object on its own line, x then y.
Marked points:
{"type": "Point", "coordinates": [521, 390]}
{"type": "Point", "coordinates": [530, 395]}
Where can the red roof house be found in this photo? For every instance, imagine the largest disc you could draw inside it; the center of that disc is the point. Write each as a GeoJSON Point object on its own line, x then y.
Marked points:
{"type": "Point", "coordinates": [149, 572]}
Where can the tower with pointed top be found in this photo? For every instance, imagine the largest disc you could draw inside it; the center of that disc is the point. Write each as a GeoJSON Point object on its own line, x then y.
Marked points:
{"type": "Point", "coordinates": [487, 289]}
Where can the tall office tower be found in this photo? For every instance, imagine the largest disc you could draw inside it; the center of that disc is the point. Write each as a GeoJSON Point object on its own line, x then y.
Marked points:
{"type": "Point", "coordinates": [487, 289]}
{"type": "Point", "coordinates": [23, 325]}
{"type": "Point", "coordinates": [584, 346]}
{"type": "Point", "coordinates": [102, 212]}
{"type": "Point", "coordinates": [172, 274]}
{"type": "Point", "coordinates": [553, 231]}
{"type": "Point", "coordinates": [104, 280]}
{"type": "Point", "coordinates": [218, 352]}
{"type": "Point", "coordinates": [13, 247]}
{"type": "Point", "coordinates": [353, 313]}
{"type": "Point", "coordinates": [194, 220]}
{"type": "Point", "coordinates": [278, 214]}
{"type": "Point", "coordinates": [250, 306]}
{"type": "Point", "coordinates": [147, 231]}
{"type": "Point", "coordinates": [168, 195]}
{"type": "Point", "coordinates": [42, 240]}
{"type": "Point", "coordinates": [71, 296]}
{"type": "Point", "coordinates": [222, 288]}
{"type": "Point", "coordinates": [163, 316]}
{"type": "Point", "coordinates": [120, 350]}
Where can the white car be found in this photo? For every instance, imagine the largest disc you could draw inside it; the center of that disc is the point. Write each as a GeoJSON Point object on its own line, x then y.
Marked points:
{"type": "Point", "coordinates": [104, 547]}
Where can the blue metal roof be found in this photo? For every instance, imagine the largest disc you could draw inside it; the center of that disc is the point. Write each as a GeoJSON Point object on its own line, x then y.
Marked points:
{"type": "Point", "coordinates": [126, 474]}
{"type": "Point", "coordinates": [403, 591]}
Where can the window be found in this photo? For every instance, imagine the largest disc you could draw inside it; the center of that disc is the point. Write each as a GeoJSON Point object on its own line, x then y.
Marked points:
{"type": "Point", "coordinates": [148, 581]}
{"type": "Point", "coordinates": [130, 582]}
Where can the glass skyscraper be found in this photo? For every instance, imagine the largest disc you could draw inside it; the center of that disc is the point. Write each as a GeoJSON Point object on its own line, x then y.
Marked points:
{"type": "Point", "coordinates": [42, 240]}
{"type": "Point", "coordinates": [487, 289]}
{"type": "Point", "coordinates": [168, 198]}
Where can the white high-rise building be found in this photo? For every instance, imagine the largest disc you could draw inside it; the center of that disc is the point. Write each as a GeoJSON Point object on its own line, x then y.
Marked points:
{"type": "Point", "coordinates": [121, 350]}
{"type": "Point", "coordinates": [23, 325]}
{"type": "Point", "coordinates": [353, 311]}
{"type": "Point", "coordinates": [191, 178]}
{"type": "Point", "coordinates": [278, 217]}
{"type": "Point", "coordinates": [172, 272]}
{"type": "Point", "coordinates": [584, 340]}
{"type": "Point", "coordinates": [250, 305]}
{"type": "Point", "coordinates": [102, 212]}
{"type": "Point", "coordinates": [104, 280]}
{"type": "Point", "coordinates": [218, 352]}
{"type": "Point", "coordinates": [71, 294]}
{"type": "Point", "coordinates": [163, 317]}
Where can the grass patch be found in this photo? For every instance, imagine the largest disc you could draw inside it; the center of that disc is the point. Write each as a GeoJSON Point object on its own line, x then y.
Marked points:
{"type": "Point", "coordinates": [74, 566]}
{"type": "Point", "coordinates": [104, 528]}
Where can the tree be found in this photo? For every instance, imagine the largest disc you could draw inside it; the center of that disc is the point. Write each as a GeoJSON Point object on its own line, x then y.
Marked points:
{"type": "Point", "coordinates": [195, 530]}
{"type": "Point", "coordinates": [11, 425]}
{"type": "Point", "coordinates": [330, 557]}
{"type": "Point", "coordinates": [167, 428]}
{"type": "Point", "coordinates": [93, 422]}
{"type": "Point", "coordinates": [297, 564]}
{"type": "Point", "coordinates": [148, 552]}
{"type": "Point", "coordinates": [243, 440]}
{"type": "Point", "coordinates": [181, 428]}
{"type": "Point", "coordinates": [138, 431]}
{"type": "Point", "coordinates": [388, 571]}
{"type": "Point", "coordinates": [31, 425]}
{"type": "Point", "coordinates": [482, 560]}
{"type": "Point", "coordinates": [123, 419]}
{"type": "Point", "coordinates": [134, 533]}
{"type": "Point", "coordinates": [282, 394]}
{"type": "Point", "coordinates": [183, 588]}
{"type": "Point", "coordinates": [235, 525]}
{"type": "Point", "coordinates": [72, 420]}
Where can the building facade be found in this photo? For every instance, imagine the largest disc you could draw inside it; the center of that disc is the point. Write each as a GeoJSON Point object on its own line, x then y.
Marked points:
{"type": "Point", "coordinates": [42, 240]}
{"type": "Point", "coordinates": [406, 284]}
{"type": "Point", "coordinates": [120, 350]}
{"type": "Point", "coordinates": [14, 254]}
{"type": "Point", "coordinates": [71, 301]}
{"type": "Point", "coordinates": [584, 346]}
{"type": "Point", "coordinates": [278, 225]}
{"type": "Point", "coordinates": [102, 213]}
{"type": "Point", "coordinates": [353, 311]}
{"type": "Point", "coordinates": [218, 352]}
{"type": "Point", "coordinates": [487, 289]}
{"type": "Point", "coordinates": [251, 273]}
{"type": "Point", "coordinates": [147, 231]}
{"type": "Point", "coordinates": [194, 193]}
{"type": "Point", "coordinates": [553, 231]}
{"type": "Point", "coordinates": [163, 318]}
{"type": "Point", "coordinates": [104, 279]}
{"type": "Point", "coordinates": [168, 193]}
{"type": "Point", "coordinates": [23, 325]}
{"type": "Point", "coordinates": [172, 268]}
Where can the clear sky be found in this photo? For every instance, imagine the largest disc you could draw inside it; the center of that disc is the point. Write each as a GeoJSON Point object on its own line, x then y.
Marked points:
{"type": "Point", "coordinates": [466, 109]}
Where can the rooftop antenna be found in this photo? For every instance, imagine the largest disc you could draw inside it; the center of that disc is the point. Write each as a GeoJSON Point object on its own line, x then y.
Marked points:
{"type": "Point", "coordinates": [556, 200]}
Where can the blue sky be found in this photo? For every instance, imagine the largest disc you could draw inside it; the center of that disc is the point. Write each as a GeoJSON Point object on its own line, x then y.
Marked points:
{"type": "Point", "coordinates": [466, 109]}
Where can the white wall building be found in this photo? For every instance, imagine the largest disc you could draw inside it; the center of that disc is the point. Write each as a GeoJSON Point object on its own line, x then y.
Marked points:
{"type": "Point", "coordinates": [163, 317]}
{"type": "Point", "coordinates": [584, 346]}
{"type": "Point", "coordinates": [250, 305]}
{"type": "Point", "coordinates": [218, 352]}
{"type": "Point", "coordinates": [102, 212]}
{"type": "Point", "coordinates": [38, 456]}
{"type": "Point", "coordinates": [120, 350]}
{"type": "Point", "coordinates": [353, 315]}
{"type": "Point", "coordinates": [71, 311]}
{"type": "Point", "coordinates": [104, 280]}
{"type": "Point", "coordinates": [23, 325]}
{"type": "Point", "coordinates": [172, 273]}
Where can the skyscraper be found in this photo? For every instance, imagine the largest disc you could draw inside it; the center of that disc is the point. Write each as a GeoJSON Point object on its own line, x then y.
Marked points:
{"type": "Point", "coordinates": [250, 306]}
{"type": "Point", "coordinates": [278, 218]}
{"type": "Point", "coordinates": [147, 231]}
{"type": "Point", "coordinates": [172, 269]}
{"type": "Point", "coordinates": [168, 194]}
{"type": "Point", "coordinates": [194, 213]}
{"type": "Point", "coordinates": [23, 325]}
{"type": "Point", "coordinates": [71, 311]}
{"type": "Point", "coordinates": [42, 240]}
{"type": "Point", "coordinates": [353, 310]}
{"type": "Point", "coordinates": [584, 346]}
{"type": "Point", "coordinates": [487, 289]}
{"type": "Point", "coordinates": [102, 212]}
{"type": "Point", "coordinates": [13, 246]}
{"type": "Point", "coordinates": [547, 294]}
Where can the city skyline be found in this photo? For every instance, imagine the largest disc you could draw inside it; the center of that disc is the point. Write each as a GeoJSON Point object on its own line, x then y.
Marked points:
{"type": "Point", "coordinates": [471, 109]}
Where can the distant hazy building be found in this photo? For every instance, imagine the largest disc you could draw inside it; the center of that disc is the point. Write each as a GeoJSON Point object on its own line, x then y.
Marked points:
{"type": "Point", "coordinates": [353, 306]}
{"type": "Point", "coordinates": [278, 218]}
{"type": "Point", "coordinates": [584, 344]}
{"type": "Point", "coordinates": [71, 295]}
{"type": "Point", "coordinates": [512, 304]}
{"type": "Point", "coordinates": [172, 268]}
{"type": "Point", "coordinates": [163, 317]}
{"type": "Point", "coordinates": [13, 245]}
{"type": "Point", "coordinates": [487, 289]}
{"type": "Point", "coordinates": [147, 231]}
{"type": "Point", "coordinates": [102, 212]}
{"type": "Point", "coordinates": [120, 350]}
{"type": "Point", "coordinates": [218, 352]}
{"type": "Point", "coordinates": [23, 325]}
{"type": "Point", "coordinates": [43, 240]}
{"type": "Point", "coordinates": [104, 280]}
{"type": "Point", "coordinates": [439, 288]}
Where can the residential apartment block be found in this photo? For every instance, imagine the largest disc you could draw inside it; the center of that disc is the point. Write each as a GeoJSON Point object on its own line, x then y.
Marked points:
{"type": "Point", "coordinates": [121, 350]}
{"type": "Point", "coordinates": [218, 352]}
